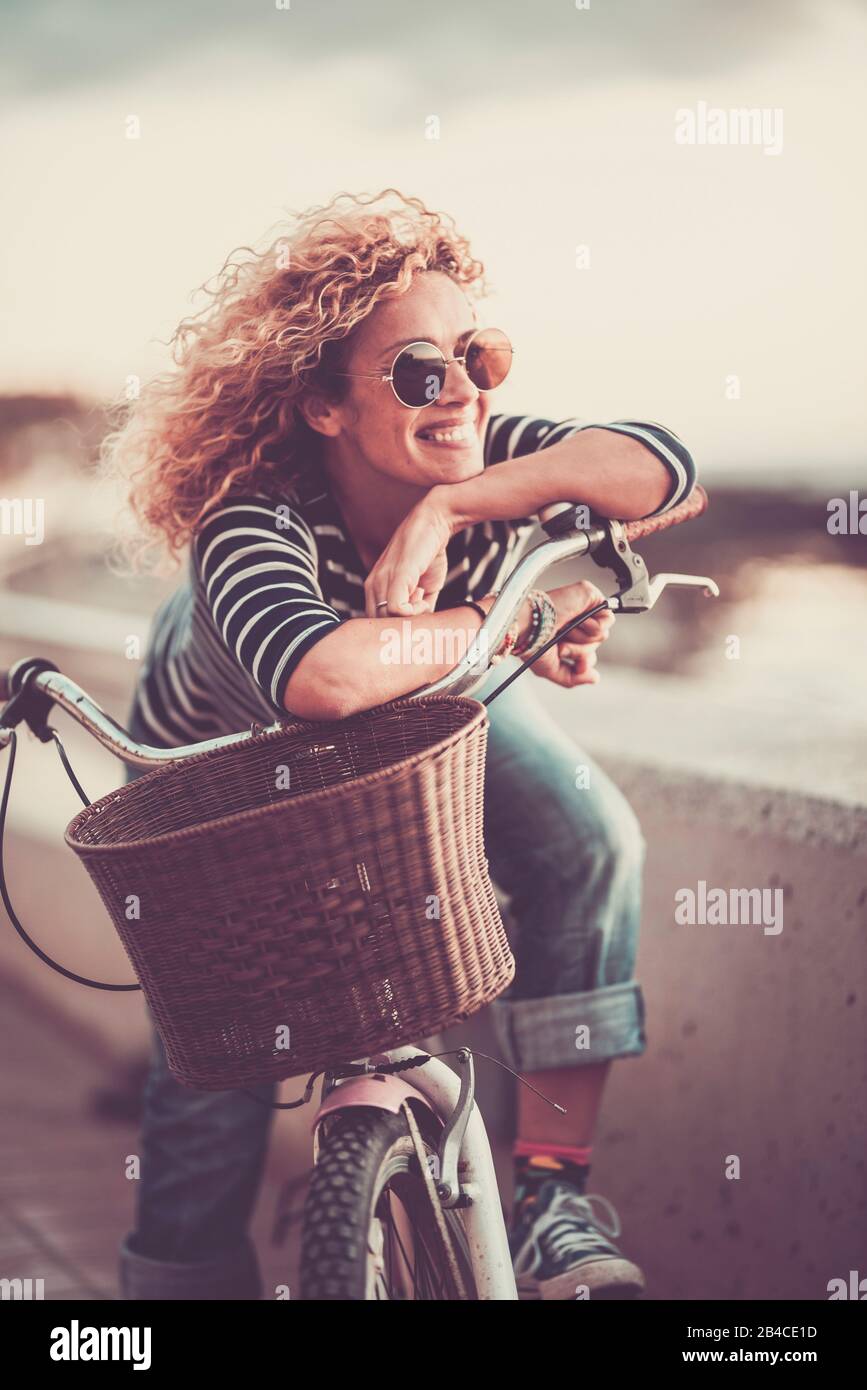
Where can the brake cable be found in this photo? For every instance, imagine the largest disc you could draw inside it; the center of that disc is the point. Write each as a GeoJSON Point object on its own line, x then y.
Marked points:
{"type": "Point", "coordinates": [348, 1070]}
{"type": "Point", "coordinates": [4, 891]}
{"type": "Point", "coordinates": [68, 766]}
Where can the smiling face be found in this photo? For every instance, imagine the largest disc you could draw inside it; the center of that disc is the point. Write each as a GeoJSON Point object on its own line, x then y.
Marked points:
{"type": "Point", "coordinates": [439, 443]}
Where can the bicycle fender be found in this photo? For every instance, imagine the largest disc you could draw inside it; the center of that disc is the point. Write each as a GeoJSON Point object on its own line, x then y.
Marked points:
{"type": "Point", "coordinates": [382, 1092]}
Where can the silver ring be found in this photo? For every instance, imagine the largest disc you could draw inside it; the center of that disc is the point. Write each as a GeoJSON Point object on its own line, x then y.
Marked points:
{"type": "Point", "coordinates": [383, 603]}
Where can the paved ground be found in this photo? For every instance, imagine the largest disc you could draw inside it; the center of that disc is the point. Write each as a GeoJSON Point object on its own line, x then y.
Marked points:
{"type": "Point", "coordinates": [64, 1199]}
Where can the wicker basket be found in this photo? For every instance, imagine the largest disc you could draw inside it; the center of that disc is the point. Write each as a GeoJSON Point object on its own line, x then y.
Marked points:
{"type": "Point", "coordinates": [319, 894]}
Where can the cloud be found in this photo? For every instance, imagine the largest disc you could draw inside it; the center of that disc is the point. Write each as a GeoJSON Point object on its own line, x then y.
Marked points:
{"type": "Point", "coordinates": [54, 44]}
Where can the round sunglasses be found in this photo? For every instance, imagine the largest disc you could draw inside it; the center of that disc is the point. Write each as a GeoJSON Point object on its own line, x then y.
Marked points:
{"type": "Point", "coordinates": [418, 372]}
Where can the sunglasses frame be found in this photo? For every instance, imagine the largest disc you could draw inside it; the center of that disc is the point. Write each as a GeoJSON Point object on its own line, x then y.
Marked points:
{"type": "Point", "coordinates": [446, 361]}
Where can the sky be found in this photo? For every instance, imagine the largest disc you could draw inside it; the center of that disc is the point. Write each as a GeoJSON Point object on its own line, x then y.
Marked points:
{"type": "Point", "coordinates": [720, 288]}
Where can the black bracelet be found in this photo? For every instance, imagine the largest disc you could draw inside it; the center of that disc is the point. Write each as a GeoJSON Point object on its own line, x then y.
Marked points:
{"type": "Point", "coordinates": [471, 603]}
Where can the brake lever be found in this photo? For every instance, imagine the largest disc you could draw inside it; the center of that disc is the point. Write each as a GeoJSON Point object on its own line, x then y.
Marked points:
{"type": "Point", "coordinates": [638, 592]}
{"type": "Point", "coordinates": [27, 703]}
{"type": "Point", "coordinates": [643, 595]}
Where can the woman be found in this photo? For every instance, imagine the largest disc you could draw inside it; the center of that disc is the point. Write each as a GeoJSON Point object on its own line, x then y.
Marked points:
{"type": "Point", "coordinates": [327, 448]}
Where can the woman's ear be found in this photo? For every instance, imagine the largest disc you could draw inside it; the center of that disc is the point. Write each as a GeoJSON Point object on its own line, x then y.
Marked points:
{"type": "Point", "coordinates": [321, 415]}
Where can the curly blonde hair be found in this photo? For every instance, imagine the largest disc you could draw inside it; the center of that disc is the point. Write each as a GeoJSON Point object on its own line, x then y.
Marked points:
{"type": "Point", "coordinates": [278, 322]}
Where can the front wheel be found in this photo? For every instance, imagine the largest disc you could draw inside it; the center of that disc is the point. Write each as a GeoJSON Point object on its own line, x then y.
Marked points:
{"type": "Point", "coordinates": [370, 1230]}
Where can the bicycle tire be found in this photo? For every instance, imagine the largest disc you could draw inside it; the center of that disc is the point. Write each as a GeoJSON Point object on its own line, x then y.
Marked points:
{"type": "Point", "coordinates": [366, 1156]}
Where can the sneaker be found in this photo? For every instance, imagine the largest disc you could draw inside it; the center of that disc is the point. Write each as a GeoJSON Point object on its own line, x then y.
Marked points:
{"type": "Point", "coordinates": [560, 1245]}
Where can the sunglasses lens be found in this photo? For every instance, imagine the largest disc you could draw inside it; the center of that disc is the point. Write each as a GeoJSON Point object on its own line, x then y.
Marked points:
{"type": "Point", "coordinates": [419, 374]}
{"type": "Point", "coordinates": [489, 357]}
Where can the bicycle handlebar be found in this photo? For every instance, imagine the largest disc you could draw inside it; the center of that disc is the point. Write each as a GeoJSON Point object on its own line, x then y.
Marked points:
{"type": "Point", "coordinates": [564, 542]}
{"type": "Point", "coordinates": [694, 506]}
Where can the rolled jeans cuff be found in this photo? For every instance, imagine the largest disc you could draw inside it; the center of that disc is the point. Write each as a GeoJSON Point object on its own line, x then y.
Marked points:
{"type": "Point", "coordinates": [571, 1030]}
{"type": "Point", "coordinates": [233, 1276]}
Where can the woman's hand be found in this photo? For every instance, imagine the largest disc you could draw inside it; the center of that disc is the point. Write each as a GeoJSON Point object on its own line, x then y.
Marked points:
{"type": "Point", "coordinates": [412, 569]}
{"type": "Point", "coordinates": [573, 661]}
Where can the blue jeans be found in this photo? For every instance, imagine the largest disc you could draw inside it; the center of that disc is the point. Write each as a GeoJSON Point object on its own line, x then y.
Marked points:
{"type": "Point", "coordinates": [565, 846]}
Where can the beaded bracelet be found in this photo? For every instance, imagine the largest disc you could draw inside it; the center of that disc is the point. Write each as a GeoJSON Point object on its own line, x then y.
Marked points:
{"type": "Point", "coordinates": [548, 622]}
{"type": "Point", "coordinates": [536, 614]}
{"type": "Point", "coordinates": [541, 622]}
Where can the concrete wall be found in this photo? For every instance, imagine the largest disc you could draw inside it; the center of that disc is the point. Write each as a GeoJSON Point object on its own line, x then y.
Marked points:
{"type": "Point", "coordinates": [757, 1048]}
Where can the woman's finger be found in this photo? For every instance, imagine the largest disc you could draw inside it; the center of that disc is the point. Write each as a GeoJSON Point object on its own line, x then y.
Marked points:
{"type": "Point", "coordinates": [376, 604]}
{"type": "Point", "coordinates": [594, 630]}
{"type": "Point", "coordinates": [578, 665]}
{"type": "Point", "coordinates": [584, 678]}
{"type": "Point", "coordinates": [583, 672]}
{"type": "Point", "coordinates": [398, 590]}
{"type": "Point", "coordinates": [370, 598]}
{"type": "Point", "coordinates": [565, 676]}
{"type": "Point", "coordinates": [581, 657]}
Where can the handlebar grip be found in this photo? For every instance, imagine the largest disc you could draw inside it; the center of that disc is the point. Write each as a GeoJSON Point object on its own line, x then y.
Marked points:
{"type": "Point", "coordinates": [694, 505]}
{"type": "Point", "coordinates": [5, 691]}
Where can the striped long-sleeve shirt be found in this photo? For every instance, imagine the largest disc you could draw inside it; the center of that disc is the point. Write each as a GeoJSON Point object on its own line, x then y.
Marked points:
{"type": "Point", "coordinates": [271, 576]}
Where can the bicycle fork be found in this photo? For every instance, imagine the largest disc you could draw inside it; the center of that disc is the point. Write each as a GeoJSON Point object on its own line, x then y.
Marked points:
{"type": "Point", "coordinates": [466, 1176]}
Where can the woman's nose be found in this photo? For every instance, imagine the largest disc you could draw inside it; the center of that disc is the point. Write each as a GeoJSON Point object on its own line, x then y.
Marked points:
{"type": "Point", "coordinates": [457, 385]}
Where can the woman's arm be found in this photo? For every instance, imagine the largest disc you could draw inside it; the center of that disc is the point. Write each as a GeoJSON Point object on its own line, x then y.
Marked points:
{"type": "Point", "coordinates": [627, 470]}
{"type": "Point", "coordinates": [257, 563]}
{"type": "Point", "coordinates": [368, 661]}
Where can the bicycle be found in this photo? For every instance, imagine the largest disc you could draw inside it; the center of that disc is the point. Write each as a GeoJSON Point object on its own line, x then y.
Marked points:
{"type": "Point", "coordinates": [403, 1200]}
